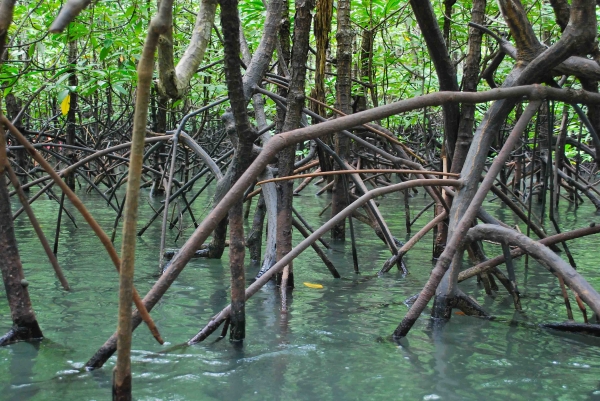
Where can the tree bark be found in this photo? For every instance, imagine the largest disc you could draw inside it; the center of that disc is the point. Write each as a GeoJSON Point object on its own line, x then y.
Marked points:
{"type": "Point", "coordinates": [122, 383]}
{"type": "Point", "coordinates": [444, 68]}
{"type": "Point", "coordinates": [71, 114]}
{"type": "Point", "coordinates": [344, 104]}
{"type": "Point", "coordinates": [295, 104]}
{"type": "Point", "coordinates": [321, 31]}
{"type": "Point", "coordinates": [174, 80]}
{"type": "Point", "coordinates": [230, 24]}
{"type": "Point", "coordinates": [469, 84]}
{"type": "Point", "coordinates": [25, 325]}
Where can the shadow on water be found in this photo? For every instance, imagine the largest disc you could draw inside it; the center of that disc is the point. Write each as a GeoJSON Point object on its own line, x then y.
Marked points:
{"type": "Point", "coordinates": [21, 386]}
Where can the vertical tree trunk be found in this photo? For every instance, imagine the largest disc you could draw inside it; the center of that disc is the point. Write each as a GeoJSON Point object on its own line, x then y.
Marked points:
{"type": "Point", "coordinates": [295, 104]}
{"type": "Point", "coordinates": [438, 51]}
{"type": "Point", "coordinates": [321, 31]}
{"type": "Point", "coordinates": [344, 102]}
{"type": "Point", "coordinates": [469, 84]}
{"type": "Point", "coordinates": [284, 39]}
{"type": "Point", "coordinates": [25, 325]}
{"type": "Point", "coordinates": [366, 70]}
{"type": "Point", "coordinates": [322, 28]}
{"type": "Point", "coordinates": [71, 155]}
{"type": "Point", "coordinates": [448, 20]}
{"type": "Point", "coordinates": [246, 135]}
{"type": "Point", "coordinates": [158, 159]}
{"type": "Point", "coordinates": [443, 66]}
{"type": "Point", "coordinates": [12, 110]}
{"type": "Point", "coordinates": [122, 373]}
{"type": "Point", "coordinates": [254, 239]}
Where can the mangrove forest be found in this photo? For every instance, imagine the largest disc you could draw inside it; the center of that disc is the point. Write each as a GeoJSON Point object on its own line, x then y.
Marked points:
{"type": "Point", "coordinates": [317, 199]}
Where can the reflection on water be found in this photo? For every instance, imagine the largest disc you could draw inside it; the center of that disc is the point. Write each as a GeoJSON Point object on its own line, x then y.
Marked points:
{"type": "Point", "coordinates": [332, 344]}
{"type": "Point", "coordinates": [21, 385]}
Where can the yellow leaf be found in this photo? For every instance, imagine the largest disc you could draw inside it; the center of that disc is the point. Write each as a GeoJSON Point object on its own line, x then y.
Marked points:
{"type": "Point", "coordinates": [311, 285]}
{"type": "Point", "coordinates": [65, 104]}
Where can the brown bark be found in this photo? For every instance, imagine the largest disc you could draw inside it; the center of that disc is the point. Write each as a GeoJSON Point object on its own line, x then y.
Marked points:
{"type": "Point", "coordinates": [284, 39]}
{"type": "Point", "coordinates": [366, 71]}
{"type": "Point", "coordinates": [13, 108]}
{"type": "Point", "coordinates": [448, 20]}
{"type": "Point", "coordinates": [25, 325]}
{"type": "Point", "coordinates": [544, 255]}
{"type": "Point", "coordinates": [528, 46]}
{"type": "Point", "coordinates": [71, 114]}
{"type": "Point", "coordinates": [554, 239]}
{"type": "Point", "coordinates": [561, 12]}
{"type": "Point", "coordinates": [254, 239]}
{"type": "Point", "coordinates": [469, 84]}
{"type": "Point", "coordinates": [443, 66]}
{"type": "Point", "coordinates": [261, 60]}
{"type": "Point", "coordinates": [122, 373]}
{"type": "Point", "coordinates": [175, 80]}
{"type": "Point", "coordinates": [295, 104]}
{"type": "Point", "coordinates": [322, 28]}
{"type": "Point", "coordinates": [230, 24]}
{"type": "Point", "coordinates": [321, 31]}
{"type": "Point", "coordinates": [343, 89]}
{"type": "Point", "coordinates": [159, 160]}
{"type": "Point", "coordinates": [37, 228]}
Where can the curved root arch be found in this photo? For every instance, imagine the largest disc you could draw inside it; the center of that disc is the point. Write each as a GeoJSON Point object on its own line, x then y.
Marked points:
{"type": "Point", "coordinates": [542, 254]}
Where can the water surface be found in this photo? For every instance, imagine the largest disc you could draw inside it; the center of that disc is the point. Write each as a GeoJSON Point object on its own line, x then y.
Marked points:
{"type": "Point", "coordinates": [332, 345]}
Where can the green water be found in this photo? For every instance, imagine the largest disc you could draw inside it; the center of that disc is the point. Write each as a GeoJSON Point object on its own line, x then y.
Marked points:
{"type": "Point", "coordinates": [332, 345]}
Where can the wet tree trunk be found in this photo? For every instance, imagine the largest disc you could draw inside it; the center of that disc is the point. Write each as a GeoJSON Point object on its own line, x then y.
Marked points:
{"type": "Point", "coordinates": [295, 104]}
{"type": "Point", "coordinates": [245, 138]}
{"type": "Point", "coordinates": [344, 104]}
{"type": "Point", "coordinates": [25, 325]}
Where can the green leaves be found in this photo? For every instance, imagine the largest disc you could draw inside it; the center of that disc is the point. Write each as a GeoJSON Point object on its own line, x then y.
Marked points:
{"type": "Point", "coordinates": [62, 95]}
{"type": "Point", "coordinates": [104, 53]}
{"type": "Point", "coordinates": [110, 36]}
{"type": "Point", "coordinates": [391, 6]}
{"type": "Point", "coordinates": [120, 89]}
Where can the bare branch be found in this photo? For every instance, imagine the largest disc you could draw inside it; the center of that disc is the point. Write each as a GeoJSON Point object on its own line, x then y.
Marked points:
{"type": "Point", "coordinates": [67, 14]}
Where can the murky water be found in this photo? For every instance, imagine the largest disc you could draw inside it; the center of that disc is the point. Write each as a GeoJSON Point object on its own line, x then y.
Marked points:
{"type": "Point", "coordinates": [332, 345]}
